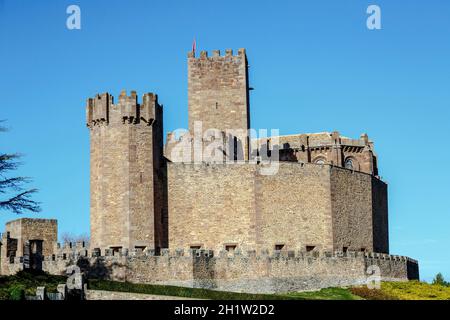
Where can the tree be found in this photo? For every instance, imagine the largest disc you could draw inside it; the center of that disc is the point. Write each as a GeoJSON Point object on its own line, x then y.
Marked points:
{"type": "Point", "coordinates": [14, 196]}
{"type": "Point", "coordinates": [439, 280]}
{"type": "Point", "coordinates": [68, 237]}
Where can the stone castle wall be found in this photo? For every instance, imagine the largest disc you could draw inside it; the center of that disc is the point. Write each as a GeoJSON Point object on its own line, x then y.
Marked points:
{"type": "Point", "coordinates": [26, 229]}
{"type": "Point", "coordinates": [303, 205]}
{"type": "Point", "coordinates": [277, 271]}
{"type": "Point", "coordinates": [293, 207]}
{"type": "Point", "coordinates": [352, 210]}
{"type": "Point", "coordinates": [380, 224]}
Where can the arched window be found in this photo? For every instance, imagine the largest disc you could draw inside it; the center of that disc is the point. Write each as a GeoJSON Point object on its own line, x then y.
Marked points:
{"type": "Point", "coordinates": [319, 160]}
{"type": "Point", "coordinates": [349, 164]}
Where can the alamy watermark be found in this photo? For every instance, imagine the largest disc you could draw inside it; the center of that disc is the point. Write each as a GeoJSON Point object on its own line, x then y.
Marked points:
{"type": "Point", "coordinates": [73, 21]}
{"type": "Point", "coordinates": [373, 280]}
{"type": "Point", "coordinates": [374, 19]}
{"type": "Point", "coordinates": [231, 146]}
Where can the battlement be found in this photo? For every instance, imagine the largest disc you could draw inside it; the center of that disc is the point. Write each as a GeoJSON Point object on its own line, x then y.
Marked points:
{"type": "Point", "coordinates": [101, 109]}
{"type": "Point", "coordinates": [216, 54]}
{"type": "Point", "coordinates": [248, 271]}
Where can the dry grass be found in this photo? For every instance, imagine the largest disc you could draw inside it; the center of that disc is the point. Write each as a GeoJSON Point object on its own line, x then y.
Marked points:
{"type": "Point", "coordinates": [411, 290]}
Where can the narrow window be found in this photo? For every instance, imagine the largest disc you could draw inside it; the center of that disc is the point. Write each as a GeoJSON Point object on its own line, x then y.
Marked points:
{"type": "Point", "coordinates": [116, 250]}
{"type": "Point", "coordinates": [235, 146]}
{"type": "Point", "coordinates": [195, 247]}
{"type": "Point", "coordinates": [230, 247]}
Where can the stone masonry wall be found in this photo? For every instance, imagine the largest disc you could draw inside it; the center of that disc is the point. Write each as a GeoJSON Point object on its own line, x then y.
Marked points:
{"type": "Point", "coordinates": [211, 205]}
{"type": "Point", "coordinates": [302, 205]}
{"type": "Point", "coordinates": [293, 208]}
{"type": "Point", "coordinates": [352, 210]}
{"type": "Point", "coordinates": [278, 271]}
{"type": "Point", "coordinates": [380, 216]}
{"type": "Point", "coordinates": [126, 207]}
{"type": "Point", "coordinates": [26, 229]}
{"type": "Point", "coordinates": [359, 205]}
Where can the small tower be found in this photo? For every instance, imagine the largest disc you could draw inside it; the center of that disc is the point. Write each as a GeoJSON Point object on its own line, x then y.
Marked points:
{"type": "Point", "coordinates": [127, 172]}
{"type": "Point", "coordinates": [218, 94]}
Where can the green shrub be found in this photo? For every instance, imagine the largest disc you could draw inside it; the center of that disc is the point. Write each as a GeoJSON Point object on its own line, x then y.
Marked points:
{"type": "Point", "coordinates": [416, 290]}
{"type": "Point", "coordinates": [17, 292]}
{"type": "Point", "coordinates": [163, 290]}
{"type": "Point", "coordinates": [27, 281]}
{"type": "Point", "coordinates": [371, 294]}
{"type": "Point", "coordinates": [407, 290]}
{"type": "Point", "coordinates": [325, 294]}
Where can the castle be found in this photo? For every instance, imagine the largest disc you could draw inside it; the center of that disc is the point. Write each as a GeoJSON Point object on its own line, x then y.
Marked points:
{"type": "Point", "coordinates": [218, 206]}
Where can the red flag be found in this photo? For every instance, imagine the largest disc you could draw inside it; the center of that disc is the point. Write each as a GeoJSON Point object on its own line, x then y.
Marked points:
{"type": "Point", "coordinates": [194, 46]}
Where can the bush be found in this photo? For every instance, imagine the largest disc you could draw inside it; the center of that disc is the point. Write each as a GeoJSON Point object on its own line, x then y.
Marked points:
{"type": "Point", "coordinates": [26, 282]}
{"type": "Point", "coordinates": [17, 292]}
{"type": "Point", "coordinates": [416, 290]}
{"type": "Point", "coordinates": [371, 294]}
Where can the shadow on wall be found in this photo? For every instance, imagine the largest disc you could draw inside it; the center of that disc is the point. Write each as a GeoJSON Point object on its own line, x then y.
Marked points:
{"type": "Point", "coordinates": [100, 270]}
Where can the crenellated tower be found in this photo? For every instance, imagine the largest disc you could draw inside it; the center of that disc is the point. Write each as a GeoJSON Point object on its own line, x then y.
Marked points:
{"type": "Point", "coordinates": [128, 209]}
{"type": "Point", "coordinates": [218, 94]}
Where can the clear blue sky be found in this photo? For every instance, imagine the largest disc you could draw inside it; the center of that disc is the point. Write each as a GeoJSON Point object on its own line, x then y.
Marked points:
{"type": "Point", "coordinates": [314, 66]}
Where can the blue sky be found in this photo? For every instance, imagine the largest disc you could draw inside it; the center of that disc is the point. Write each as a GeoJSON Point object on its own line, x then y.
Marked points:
{"type": "Point", "coordinates": [314, 66]}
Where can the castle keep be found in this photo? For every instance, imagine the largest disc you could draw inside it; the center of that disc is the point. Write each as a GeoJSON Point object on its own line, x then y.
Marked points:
{"type": "Point", "coordinates": [205, 210]}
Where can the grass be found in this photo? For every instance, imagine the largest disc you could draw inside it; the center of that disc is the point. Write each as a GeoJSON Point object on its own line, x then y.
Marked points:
{"type": "Point", "coordinates": [411, 290]}
{"type": "Point", "coordinates": [176, 291]}
{"type": "Point", "coordinates": [415, 290]}
{"type": "Point", "coordinates": [324, 294]}
{"type": "Point", "coordinates": [25, 283]}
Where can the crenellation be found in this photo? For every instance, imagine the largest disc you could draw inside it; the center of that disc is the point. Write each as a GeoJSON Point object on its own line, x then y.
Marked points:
{"type": "Point", "coordinates": [101, 110]}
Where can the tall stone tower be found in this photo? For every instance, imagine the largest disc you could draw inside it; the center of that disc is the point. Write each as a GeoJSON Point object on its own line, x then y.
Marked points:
{"type": "Point", "coordinates": [128, 209]}
{"type": "Point", "coordinates": [218, 93]}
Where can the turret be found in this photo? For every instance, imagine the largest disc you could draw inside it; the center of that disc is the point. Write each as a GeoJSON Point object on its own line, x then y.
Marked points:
{"type": "Point", "coordinates": [127, 172]}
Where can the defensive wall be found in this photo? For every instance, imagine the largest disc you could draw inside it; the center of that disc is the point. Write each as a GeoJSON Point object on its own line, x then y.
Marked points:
{"type": "Point", "coordinates": [252, 271]}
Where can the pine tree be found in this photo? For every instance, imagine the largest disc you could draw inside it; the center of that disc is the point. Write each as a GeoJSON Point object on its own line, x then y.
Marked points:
{"type": "Point", "coordinates": [439, 280]}
{"type": "Point", "coordinates": [13, 194]}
